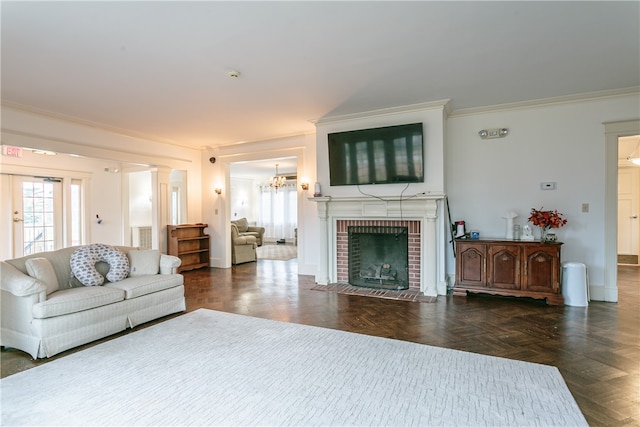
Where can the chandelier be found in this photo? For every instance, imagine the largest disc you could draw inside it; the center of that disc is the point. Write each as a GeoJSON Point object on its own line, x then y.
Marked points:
{"type": "Point", "coordinates": [277, 181]}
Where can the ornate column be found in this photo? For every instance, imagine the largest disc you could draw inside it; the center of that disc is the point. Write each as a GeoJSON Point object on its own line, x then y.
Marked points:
{"type": "Point", "coordinates": [160, 199]}
{"type": "Point", "coordinates": [322, 276]}
{"type": "Point", "coordinates": [429, 276]}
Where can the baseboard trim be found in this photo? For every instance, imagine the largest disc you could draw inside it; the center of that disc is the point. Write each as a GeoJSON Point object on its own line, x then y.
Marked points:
{"type": "Point", "coordinates": [603, 293]}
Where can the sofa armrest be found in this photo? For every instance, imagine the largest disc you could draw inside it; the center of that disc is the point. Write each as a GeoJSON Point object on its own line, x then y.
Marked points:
{"type": "Point", "coordinates": [169, 264]}
{"type": "Point", "coordinates": [19, 284]}
{"type": "Point", "coordinates": [259, 230]}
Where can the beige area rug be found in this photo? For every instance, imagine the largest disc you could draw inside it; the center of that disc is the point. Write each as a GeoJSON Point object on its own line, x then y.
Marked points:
{"type": "Point", "coordinates": [210, 368]}
{"type": "Point", "coordinates": [277, 252]}
{"type": "Point", "coordinates": [405, 295]}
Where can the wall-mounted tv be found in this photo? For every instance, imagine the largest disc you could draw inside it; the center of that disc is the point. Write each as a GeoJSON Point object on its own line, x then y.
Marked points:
{"type": "Point", "coordinates": [385, 155]}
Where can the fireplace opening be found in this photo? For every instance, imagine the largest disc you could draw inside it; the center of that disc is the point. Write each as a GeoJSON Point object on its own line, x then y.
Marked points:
{"type": "Point", "coordinates": [379, 257]}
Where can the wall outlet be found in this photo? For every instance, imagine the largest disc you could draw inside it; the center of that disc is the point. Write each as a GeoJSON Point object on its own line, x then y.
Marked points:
{"type": "Point", "coordinates": [585, 208]}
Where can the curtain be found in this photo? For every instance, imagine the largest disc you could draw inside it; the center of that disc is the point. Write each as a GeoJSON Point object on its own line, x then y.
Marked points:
{"type": "Point", "coordinates": [278, 211]}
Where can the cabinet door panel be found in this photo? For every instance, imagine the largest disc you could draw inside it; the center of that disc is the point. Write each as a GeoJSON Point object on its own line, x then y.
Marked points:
{"type": "Point", "coordinates": [472, 265]}
{"type": "Point", "coordinates": [504, 267]}
{"type": "Point", "coordinates": [541, 269]}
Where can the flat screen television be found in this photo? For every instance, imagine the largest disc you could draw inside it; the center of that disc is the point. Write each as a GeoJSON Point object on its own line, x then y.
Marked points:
{"type": "Point", "coordinates": [385, 155]}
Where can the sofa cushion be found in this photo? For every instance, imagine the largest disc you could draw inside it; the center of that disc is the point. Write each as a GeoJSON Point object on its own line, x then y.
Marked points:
{"type": "Point", "coordinates": [242, 224]}
{"type": "Point", "coordinates": [144, 262]}
{"type": "Point", "coordinates": [41, 269]}
{"type": "Point", "coordinates": [59, 259]}
{"type": "Point", "coordinates": [83, 264]}
{"type": "Point", "coordinates": [134, 287]}
{"type": "Point", "coordinates": [73, 300]}
{"type": "Point", "coordinates": [19, 284]}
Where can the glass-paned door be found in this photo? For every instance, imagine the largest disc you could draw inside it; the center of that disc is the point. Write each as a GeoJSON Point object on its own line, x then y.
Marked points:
{"type": "Point", "coordinates": [37, 215]}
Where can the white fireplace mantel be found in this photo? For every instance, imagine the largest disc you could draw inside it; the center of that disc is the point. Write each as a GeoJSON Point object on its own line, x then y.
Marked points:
{"type": "Point", "coordinates": [423, 207]}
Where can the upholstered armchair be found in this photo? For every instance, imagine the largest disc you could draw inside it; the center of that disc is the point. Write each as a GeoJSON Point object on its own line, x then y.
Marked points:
{"type": "Point", "coordinates": [244, 229]}
{"type": "Point", "coordinates": [243, 248]}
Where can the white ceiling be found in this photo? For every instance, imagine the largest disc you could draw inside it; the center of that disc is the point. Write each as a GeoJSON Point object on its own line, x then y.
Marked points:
{"type": "Point", "coordinates": [264, 169]}
{"type": "Point", "coordinates": [159, 69]}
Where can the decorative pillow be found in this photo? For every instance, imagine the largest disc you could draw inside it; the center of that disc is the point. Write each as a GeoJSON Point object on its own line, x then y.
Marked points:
{"type": "Point", "coordinates": [84, 259]}
{"type": "Point", "coordinates": [144, 262]}
{"type": "Point", "coordinates": [102, 268]}
{"type": "Point", "coordinates": [41, 269]}
{"type": "Point", "coordinates": [242, 224]}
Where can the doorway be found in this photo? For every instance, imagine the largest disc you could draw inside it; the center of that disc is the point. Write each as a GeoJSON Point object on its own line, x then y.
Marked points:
{"type": "Point", "coordinates": [628, 200]}
{"type": "Point", "coordinates": [36, 215]}
{"type": "Point", "coordinates": [253, 197]}
{"type": "Point", "coordinates": [613, 132]}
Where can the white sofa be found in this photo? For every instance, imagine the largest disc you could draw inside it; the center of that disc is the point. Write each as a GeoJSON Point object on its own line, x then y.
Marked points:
{"type": "Point", "coordinates": [43, 315]}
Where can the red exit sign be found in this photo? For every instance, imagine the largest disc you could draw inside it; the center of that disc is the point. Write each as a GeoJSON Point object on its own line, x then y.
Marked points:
{"type": "Point", "coordinates": [10, 151]}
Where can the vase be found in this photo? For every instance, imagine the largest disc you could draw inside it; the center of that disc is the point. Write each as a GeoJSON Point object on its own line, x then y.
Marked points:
{"type": "Point", "coordinates": [546, 235]}
{"type": "Point", "coordinates": [543, 233]}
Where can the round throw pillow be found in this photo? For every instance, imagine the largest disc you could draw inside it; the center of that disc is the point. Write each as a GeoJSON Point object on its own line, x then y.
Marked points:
{"type": "Point", "coordinates": [84, 259]}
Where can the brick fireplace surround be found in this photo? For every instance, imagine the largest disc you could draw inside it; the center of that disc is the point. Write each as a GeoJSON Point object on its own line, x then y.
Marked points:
{"type": "Point", "coordinates": [426, 237]}
{"type": "Point", "coordinates": [342, 247]}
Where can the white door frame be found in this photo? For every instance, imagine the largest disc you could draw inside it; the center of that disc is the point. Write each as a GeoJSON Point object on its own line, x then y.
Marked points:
{"type": "Point", "coordinates": [6, 219]}
{"type": "Point", "coordinates": [628, 237]}
{"type": "Point", "coordinates": [613, 131]}
{"type": "Point", "coordinates": [19, 216]}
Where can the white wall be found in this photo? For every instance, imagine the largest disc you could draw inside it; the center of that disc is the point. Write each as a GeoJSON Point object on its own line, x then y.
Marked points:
{"type": "Point", "coordinates": [140, 214]}
{"type": "Point", "coordinates": [100, 149]}
{"type": "Point", "coordinates": [563, 143]}
{"type": "Point", "coordinates": [244, 199]}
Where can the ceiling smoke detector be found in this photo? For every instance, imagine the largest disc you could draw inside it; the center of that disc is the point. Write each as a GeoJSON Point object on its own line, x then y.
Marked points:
{"type": "Point", "coordinates": [234, 74]}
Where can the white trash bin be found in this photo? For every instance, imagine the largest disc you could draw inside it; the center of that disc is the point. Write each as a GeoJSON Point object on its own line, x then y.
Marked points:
{"type": "Point", "coordinates": [575, 288]}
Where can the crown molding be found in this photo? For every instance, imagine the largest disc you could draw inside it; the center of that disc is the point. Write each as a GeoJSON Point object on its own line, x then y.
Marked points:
{"type": "Point", "coordinates": [66, 146]}
{"type": "Point", "coordinates": [94, 125]}
{"type": "Point", "coordinates": [547, 101]}
{"type": "Point", "coordinates": [441, 104]}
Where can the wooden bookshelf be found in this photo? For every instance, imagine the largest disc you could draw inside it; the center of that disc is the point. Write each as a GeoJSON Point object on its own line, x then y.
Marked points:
{"type": "Point", "coordinates": [189, 243]}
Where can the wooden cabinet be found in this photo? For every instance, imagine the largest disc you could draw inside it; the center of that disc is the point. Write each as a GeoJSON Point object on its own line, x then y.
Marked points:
{"type": "Point", "coordinates": [189, 243]}
{"type": "Point", "coordinates": [509, 268]}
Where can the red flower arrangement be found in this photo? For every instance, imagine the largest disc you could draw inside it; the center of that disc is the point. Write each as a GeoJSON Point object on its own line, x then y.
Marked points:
{"type": "Point", "coordinates": [547, 219]}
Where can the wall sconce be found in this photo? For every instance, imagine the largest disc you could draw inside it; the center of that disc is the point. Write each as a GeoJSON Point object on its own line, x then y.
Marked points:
{"type": "Point", "coordinates": [218, 190]}
{"type": "Point", "coordinates": [493, 133]}
{"type": "Point", "coordinates": [304, 186]}
{"type": "Point", "coordinates": [635, 156]}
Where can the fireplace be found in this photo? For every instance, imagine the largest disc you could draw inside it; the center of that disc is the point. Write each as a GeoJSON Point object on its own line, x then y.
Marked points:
{"type": "Point", "coordinates": [379, 257]}
{"type": "Point", "coordinates": [425, 248]}
{"type": "Point", "coordinates": [377, 237]}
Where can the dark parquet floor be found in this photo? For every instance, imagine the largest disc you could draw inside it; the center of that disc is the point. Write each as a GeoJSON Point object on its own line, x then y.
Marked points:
{"type": "Point", "coordinates": [596, 349]}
